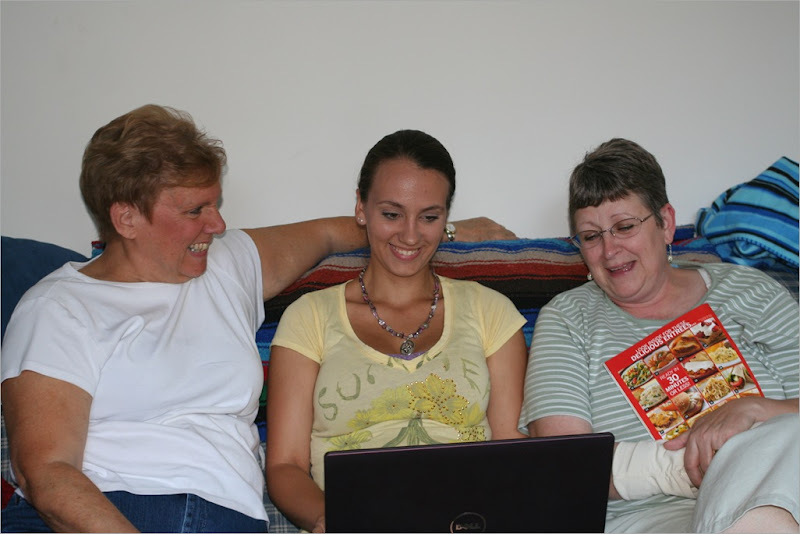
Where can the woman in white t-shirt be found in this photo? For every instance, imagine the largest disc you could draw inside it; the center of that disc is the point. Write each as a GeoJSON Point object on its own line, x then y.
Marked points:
{"type": "Point", "coordinates": [130, 383]}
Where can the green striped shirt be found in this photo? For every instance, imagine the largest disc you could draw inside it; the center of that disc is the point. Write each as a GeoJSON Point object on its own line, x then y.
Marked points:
{"type": "Point", "coordinates": [580, 329]}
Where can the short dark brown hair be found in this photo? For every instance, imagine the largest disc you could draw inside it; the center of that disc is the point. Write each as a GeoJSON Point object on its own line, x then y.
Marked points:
{"type": "Point", "coordinates": [134, 157]}
{"type": "Point", "coordinates": [614, 170]}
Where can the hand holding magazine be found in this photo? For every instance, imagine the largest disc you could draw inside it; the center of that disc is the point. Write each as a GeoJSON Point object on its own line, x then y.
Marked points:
{"type": "Point", "coordinates": [681, 372]}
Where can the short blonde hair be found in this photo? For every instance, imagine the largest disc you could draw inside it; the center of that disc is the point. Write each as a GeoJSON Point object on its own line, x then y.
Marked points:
{"type": "Point", "coordinates": [134, 157]}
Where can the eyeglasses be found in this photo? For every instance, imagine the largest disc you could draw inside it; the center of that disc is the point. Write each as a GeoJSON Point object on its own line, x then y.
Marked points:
{"type": "Point", "coordinates": [621, 230]}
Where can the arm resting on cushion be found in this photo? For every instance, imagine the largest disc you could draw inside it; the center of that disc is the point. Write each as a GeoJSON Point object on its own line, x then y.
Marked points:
{"type": "Point", "coordinates": [49, 470]}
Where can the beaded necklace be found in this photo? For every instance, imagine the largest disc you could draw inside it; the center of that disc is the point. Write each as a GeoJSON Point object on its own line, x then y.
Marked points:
{"type": "Point", "coordinates": [407, 346]}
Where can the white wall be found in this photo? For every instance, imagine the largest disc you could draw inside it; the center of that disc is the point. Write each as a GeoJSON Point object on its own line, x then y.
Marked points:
{"type": "Point", "coordinates": [300, 90]}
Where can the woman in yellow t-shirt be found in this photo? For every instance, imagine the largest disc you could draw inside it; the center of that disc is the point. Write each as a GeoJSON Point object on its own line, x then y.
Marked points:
{"type": "Point", "coordinates": [398, 356]}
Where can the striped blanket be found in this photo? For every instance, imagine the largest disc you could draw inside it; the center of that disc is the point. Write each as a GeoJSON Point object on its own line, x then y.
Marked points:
{"type": "Point", "coordinates": [528, 271]}
{"type": "Point", "coordinates": [756, 223]}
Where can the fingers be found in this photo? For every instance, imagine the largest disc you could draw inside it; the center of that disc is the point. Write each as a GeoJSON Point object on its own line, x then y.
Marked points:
{"type": "Point", "coordinates": [700, 450]}
{"type": "Point", "coordinates": [507, 235]}
{"type": "Point", "coordinates": [706, 455]}
{"type": "Point", "coordinates": [693, 467]}
{"type": "Point", "coordinates": [481, 229]}
{"type": "Point", "coordinates": [677, 443]}
{"type": "Point", "coordinates": [500, 232]}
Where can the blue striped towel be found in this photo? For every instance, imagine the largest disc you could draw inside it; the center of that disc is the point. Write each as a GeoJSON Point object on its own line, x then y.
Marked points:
{"type": "Point", "coordinates": [756, 223]}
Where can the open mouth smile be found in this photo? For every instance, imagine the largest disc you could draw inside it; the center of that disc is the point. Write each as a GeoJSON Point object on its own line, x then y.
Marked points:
{"type": "Point", "coordinates": [405, 253]}
{"type": "Point", "coordinates": [624, 268]}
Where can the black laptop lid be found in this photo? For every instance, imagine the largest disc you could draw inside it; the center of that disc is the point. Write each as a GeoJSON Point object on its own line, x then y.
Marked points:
{"type": "Point", "coordinates": [554, 484]}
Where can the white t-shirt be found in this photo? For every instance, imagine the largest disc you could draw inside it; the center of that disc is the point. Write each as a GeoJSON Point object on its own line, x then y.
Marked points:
{"type": "Point", "coordinates": [173, 371]}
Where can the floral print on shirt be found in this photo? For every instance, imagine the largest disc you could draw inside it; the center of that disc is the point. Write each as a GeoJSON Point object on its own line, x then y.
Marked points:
{"type": "Point", "coordinates": [433, 399]}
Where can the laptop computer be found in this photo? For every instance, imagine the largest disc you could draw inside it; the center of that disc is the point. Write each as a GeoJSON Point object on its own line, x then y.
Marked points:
{"type": "Point", "coordinates": [553, 484]}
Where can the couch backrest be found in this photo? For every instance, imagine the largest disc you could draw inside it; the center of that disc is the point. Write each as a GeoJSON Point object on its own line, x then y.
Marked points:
{"type": "Point", "coordinates": [529, 271]}
{"type": "Point", "coordinates": [25, 262]}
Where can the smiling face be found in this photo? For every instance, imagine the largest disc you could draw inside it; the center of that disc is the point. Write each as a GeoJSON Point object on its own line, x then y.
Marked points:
{"type": "Point", "coordinates": [405, 214]}
{"type": "Point", "coordinates": [631, 271]}
{"type": "Point", "coordinates": [172, 246]}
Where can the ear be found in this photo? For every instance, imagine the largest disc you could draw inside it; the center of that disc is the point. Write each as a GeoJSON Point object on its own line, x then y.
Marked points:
{"type": "Point", "coordinates": [668, 217]}
{"type": "Point", "coordinates": [359, 211]}
{"type": "Point", "coordinates": [124, 217]}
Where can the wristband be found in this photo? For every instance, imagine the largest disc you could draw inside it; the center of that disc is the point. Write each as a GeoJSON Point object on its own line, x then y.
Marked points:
{"type": "Point", "coordinates": [645, 468]}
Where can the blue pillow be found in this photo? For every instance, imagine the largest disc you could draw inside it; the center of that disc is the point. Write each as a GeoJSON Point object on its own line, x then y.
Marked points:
{"type": "Point", "coordinates": [756, 223]}
{"type": "Point", "coordinates": [25, 262]}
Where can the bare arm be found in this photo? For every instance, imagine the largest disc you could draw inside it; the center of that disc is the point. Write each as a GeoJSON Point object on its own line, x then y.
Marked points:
{"type": "Point", "coordinates": [290, 413]}
{"type": "Point", "coordinates": [481, 229]}
{"type": "Point", "coordinates": [506, 376]}
{"type": "Point", "coordinates": [564, 425]}
{"type": "Point", "coordinates": [289, 250]}
{"type": "Point", "coordinates": [47, 454]}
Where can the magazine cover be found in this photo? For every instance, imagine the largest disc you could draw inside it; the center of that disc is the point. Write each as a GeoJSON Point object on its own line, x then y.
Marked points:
{"type": "Point", "coordinates": [681, 372]}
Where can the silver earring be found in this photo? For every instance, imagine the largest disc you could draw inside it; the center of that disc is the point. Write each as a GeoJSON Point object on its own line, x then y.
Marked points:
{"type": "Point", "coordinates": [360, 220]}
{"type": "Point", "coordinates": [589, 277]}
{"type": "Point", "coordinates": [669, 253]}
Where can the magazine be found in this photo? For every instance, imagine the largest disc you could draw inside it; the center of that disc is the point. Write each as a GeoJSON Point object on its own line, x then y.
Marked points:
{"type": "Point", "coordinates": [681, 372]}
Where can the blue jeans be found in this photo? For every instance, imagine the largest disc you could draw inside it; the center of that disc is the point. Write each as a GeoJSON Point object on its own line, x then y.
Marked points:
{"type": "Point", "coordinates": [148, 513]}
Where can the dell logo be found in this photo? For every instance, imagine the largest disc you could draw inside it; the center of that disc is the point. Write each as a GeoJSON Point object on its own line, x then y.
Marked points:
{"type": "Point", "coordinates": [468, 522]}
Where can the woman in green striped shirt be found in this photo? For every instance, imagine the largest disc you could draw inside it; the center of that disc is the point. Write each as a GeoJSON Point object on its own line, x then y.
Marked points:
{"type": "Point", "coordinates": [735, 468]}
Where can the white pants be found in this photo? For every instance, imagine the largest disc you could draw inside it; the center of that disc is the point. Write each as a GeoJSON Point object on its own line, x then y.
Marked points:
{"type": "Point", "coordinates": [759, 467]}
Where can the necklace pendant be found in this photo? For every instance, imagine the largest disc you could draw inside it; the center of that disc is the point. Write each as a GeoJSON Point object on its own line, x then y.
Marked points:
{"type": "Point", "coordinates": [407, 347]}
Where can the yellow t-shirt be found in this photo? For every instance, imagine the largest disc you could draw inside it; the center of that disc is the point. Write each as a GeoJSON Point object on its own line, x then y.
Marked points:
{"type": "Point", "coordinates": [366, 399]}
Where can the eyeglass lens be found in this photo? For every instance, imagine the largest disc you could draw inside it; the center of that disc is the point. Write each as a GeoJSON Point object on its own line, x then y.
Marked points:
{"type": "Point", "coordinates": [621, 229]}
